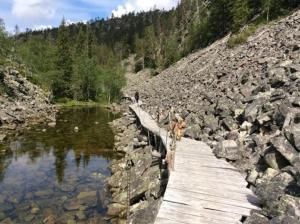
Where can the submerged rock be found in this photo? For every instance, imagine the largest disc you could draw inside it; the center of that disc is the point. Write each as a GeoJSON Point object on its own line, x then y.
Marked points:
{"type": "Point", "coordinates": [52, 124]}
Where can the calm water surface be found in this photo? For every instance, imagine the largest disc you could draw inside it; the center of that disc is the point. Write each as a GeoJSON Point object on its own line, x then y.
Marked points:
{"type": "Point", "coordinates": [57, 175]}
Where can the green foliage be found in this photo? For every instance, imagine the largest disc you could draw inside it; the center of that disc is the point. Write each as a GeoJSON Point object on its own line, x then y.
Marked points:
{"type": "Point", "coordinates": [64, 63]}
{"type": "Point", "coordinates": [150, 47]}
{"type": "Point", "coordinates": [81, 61]}
{"type": "Point", "coordinates": [241, 37]}
{"type": "Point", "coordinates": [220, 18]}
{"type": "Point", "coordinates": [240, 14]}
{"type": "Point", "coordinates": [139, 65]}
{"type": "Point", "coordinates": [200, 35]}
{"type": "Point", "coordinates": [4, 42]}
{"type": "Point", "coordinates": [172, 53]}
{"type": "Point", "coordinates": [112, 81]}
{"type": "Point", "coordinates": [3, 88]}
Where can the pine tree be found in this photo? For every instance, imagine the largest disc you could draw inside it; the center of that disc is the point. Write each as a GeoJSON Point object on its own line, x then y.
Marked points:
{"type": "Point", "coordinates": [91, 42]}
{"type": "Point", "coordinates": [64, 63]}
{"type": "Point", "coordinates": [3, 39]}
{"type": "Point", "coordinates": [150, 47]}
{"type": "Point", "coordinates": [80, 42]}
{"type": "Point", "coordinates": [220, 17]}
{"type": "Point", "coordinates": [267, 4]}
{"type": "Point", "coordinates": [240, 14]}
{"type": "Point", "coordinates": [171, 54]}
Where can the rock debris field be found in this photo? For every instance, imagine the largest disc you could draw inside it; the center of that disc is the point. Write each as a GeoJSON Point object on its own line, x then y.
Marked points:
{"type": "Point", "coordinates": [245, 103]}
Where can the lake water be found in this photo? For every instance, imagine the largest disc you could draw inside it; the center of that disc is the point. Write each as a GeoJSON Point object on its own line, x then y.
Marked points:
{"type": "Point", "coordinates": [58, 175]}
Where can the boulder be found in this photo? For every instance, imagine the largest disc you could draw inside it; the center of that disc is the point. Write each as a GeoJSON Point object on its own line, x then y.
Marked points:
{"type": "Point", "coordinates": [285, 149]}
{"type": "Point", "coordinates": [285, 220]}
{"type": "Point", "coordinates": [272, 191]}
{"type": "Point", "coordinates": [52, 124]}
{"type": "Point", "coordinates": [193, 132]}
{"type": "Point", "coordinates": [275, 160]}
{"type": "Point", "coordinates": [257, 218]}
{"type": "Point", "coordinates": [2, 137]}
{"type": "Point", "coordinates": [252, 110]}
{"type": "Point", "coordinates": [292, 133]}
{"type": "Point", "coordinates": [229, 123]}
{"type": "Point", "coordinates": [115, 209]}
{"type": "Point", "coordinates": [252, 176]}
{"type": "Point", "coordinates": [228, 149]}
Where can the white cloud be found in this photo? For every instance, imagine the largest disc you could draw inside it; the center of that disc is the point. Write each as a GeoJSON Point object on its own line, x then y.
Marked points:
{"type": "Point", "coordinates": [143, 5]}
{"type": "Point", "coordinates": [42, 27]}
{"type": "Point", "coordinates": [33, 9]}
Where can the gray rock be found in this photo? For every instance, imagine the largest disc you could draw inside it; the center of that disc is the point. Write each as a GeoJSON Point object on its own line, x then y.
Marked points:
{"type": "Point", "coordinates": [285, 149]}
{"type": "Point", "coordinates": [2, 137]}
{"type": "Point", "coordinates": [229, 124]}
{"type": "Point", "coordinates": [52, 124]}
{"type": "Point", "coordinates": [292, 133]}
{"type": "Point", "coordinates": [193, 132]}
{"type": "Point", "coordinates": [272, 193]}
{"type": "Point", "coordinates": [252, 176]}
{"type": "Point", "coordinates": [228, 149]}
{"type": "Point", "coordinates": [256, 218]}
{"type": "Point", "coordinates": [275, 160]}
{"type": "Point", "coordinates": [72, 205]}
{"type": "Point", "coordinates": [115, 209]}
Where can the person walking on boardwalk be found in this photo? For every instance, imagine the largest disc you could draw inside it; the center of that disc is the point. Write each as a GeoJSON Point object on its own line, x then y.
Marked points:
{"type": "Point", "coordinates": [137, 97]}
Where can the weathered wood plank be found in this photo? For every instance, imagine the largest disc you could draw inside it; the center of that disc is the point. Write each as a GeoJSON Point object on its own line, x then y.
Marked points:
{"type": "Point", "coordinates": [243, 203]}
{"type": "Point", "coordinates": [220, 177]}
{"type": "Point", "coordinates": [186, 209]}
{"type": "Point", "coordinates": [213, 180]}
{"type": "Point", "coordinates": [215, 190]}
{"type": "Point", "coordinates": [189, 218]}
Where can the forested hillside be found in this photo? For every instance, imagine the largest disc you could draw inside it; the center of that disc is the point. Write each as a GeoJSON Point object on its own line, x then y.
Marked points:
{"type": "Point", "coordinates": [82, 61]}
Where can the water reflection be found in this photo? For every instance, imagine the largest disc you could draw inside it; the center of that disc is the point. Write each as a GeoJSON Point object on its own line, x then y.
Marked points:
{"type": "Point", "coordinates": [58, 173]}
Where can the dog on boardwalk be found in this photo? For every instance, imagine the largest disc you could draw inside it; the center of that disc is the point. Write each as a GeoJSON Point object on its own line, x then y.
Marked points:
{"type": "Point", "coordinates": [177, 126]}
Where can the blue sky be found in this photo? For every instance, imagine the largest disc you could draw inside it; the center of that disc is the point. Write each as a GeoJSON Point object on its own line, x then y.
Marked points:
{"type": "Point", "coordinates": [36, 14]}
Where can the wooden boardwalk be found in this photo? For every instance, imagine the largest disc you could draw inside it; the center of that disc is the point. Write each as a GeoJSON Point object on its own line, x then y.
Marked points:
{"type": "Point", "coordinates": [202, 189]}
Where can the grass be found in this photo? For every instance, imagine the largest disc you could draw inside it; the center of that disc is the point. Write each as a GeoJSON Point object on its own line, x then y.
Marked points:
{"type": "Point", "coordinates": [242, 37]}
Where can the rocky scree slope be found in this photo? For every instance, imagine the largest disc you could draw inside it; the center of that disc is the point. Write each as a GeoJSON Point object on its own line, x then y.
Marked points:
{"type": "Point", "coordinates": [21, 102]}
{"type": "Point", "coordinates": [245, 103]}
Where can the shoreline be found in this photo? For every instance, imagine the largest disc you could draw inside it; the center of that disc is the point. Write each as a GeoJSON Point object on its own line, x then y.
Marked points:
{"type": "Point", "coordinates": [148, 178]}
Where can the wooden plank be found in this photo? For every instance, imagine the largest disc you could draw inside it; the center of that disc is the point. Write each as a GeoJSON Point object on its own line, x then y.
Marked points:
{"type": "Point", "coordinates": [213, 214]}
{"type": "Point", "coordinates": [226, 174]}
{"type": "Point", "coordinates": [200, 174]}
{"type": "Point", "coordinates": [211, 183]}
{"type": "Point", "coordinates": [193, 202]}
{"type": "Point", "coordinates": [217, 180]}
{"type": "Point", "coordinates": [223, 195]}
{"type": "Point", "coordinates": [204, 163]}
{"type": "Point", "coordinates": [217, 215]}
{"type": "Point", "coordinates": [245, 203]}
{"type": "Point", "coordinates": [164, 220]}
{"type": "Point", "coordinates": [188, 218]}
{"type": "Point", "coordinates": [214, 190]}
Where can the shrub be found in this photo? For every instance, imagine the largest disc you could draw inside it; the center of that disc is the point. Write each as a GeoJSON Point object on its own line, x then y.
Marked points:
{"type": "Point", "coordinates": [241, 37]}
{"type": "Point", "coordinates": [139, 65]}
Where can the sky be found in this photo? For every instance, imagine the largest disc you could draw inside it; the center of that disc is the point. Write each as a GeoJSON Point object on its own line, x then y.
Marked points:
{"type": "Point", "coordinates": [38, 14]}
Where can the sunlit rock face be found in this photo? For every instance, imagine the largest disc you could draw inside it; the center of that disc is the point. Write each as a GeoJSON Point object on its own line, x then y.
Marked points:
{"type": "Point", "coordinates": [243, 102]}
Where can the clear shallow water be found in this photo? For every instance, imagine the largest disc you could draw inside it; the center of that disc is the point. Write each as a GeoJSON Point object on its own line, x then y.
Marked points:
{"type": "Point", "coordinates": [57, 175]}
